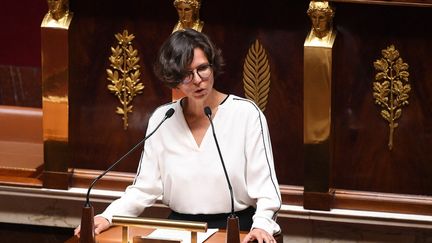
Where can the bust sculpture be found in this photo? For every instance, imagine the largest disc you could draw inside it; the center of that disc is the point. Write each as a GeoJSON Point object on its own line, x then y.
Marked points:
{"type": "Point", "coordinates": [188, 12]}
{"type": "Point", "coordinates": [321, 15]}
{"type": "Point", "coordinates": [58, 14]}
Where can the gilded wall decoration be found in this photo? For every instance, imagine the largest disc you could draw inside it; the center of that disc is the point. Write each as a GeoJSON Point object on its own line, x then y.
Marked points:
{"type": "Point", "coordinates": [124, 75]}
{"type": "Point", "coordinates": [391, 87]}
{"type": "Point", "coordinates": [58, 15]}
{"type": "Point", "coordinates": [317, 74]}
{"type": "Point", "coordinates": [321, 14]}
{"type": "Point", "coordinates": [256, 75]}
{"type": "Point", "coordinates": [188, 13]}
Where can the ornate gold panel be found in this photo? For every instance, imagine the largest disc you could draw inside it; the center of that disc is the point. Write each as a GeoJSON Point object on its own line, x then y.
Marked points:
{"type": "Point", "coordinates": [256, 75]}
{"type": "Point", "coordinates": [124, 75]}
{"type": "Point", "coordinates": [391, 87]}
{"type": "Point", "coordinates": [58, 15]}
{"type": "Point", "coordinates": [55, 94]}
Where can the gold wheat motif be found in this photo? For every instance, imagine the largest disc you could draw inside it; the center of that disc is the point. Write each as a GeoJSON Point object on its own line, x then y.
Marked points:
{"type": "Point", "coordinates": [391, 87]}
{"type": "Point", "coordinates": [256, 75]}
{"type": "Point", "coordinates": [124, 75]}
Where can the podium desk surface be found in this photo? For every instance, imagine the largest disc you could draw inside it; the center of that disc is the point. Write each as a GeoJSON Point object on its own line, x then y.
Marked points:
{"type": "Point", "coordinates": [114, 235]}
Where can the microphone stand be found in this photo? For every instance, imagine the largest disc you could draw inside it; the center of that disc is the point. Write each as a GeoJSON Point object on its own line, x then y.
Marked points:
{"type": "Point", "coordinates": [87, 234]}
{"type": "Point", "coordinates": [232, 229]}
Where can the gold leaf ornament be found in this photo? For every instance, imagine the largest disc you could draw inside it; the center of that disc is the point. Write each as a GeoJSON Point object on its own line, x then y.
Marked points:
{"type": "Point", "coordinates": [124, 75]}
{"type": "Point", "coordinates": [256, 75]}
{"type": "Point", "coordinates": [391, 88]}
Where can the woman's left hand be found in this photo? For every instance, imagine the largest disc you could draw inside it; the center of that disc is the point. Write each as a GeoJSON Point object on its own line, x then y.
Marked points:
{"type": "Point", "coordinates": [260, 235]}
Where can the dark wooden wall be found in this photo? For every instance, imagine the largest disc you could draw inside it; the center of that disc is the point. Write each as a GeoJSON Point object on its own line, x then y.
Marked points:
{"type": "Point", "coordinates": [97, 135]}
{"type": "Point", "coordinates": [20, 59]}
{"type": "Point", "coordinates": [361, 160]}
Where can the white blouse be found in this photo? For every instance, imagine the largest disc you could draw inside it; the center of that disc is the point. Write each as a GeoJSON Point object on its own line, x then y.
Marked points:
{"type": "Point", "coordinates": [191, 179]}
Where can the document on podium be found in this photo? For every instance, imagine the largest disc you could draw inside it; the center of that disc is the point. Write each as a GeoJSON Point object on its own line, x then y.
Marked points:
{"type": "Point", "coordinates": [184, 236]}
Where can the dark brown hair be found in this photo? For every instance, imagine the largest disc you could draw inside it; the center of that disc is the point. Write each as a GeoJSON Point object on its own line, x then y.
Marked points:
{"type": "Point", "coordinates": [176, 55]}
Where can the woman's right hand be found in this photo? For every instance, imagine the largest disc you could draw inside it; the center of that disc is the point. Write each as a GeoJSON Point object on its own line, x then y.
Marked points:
{"type": "Point", "coordinates": [100, 224]}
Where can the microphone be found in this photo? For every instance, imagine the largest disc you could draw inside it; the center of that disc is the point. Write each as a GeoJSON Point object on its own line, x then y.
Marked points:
{"type": "Point", "coordinates": [233, 231]}
{"type": "Point", "coordinates": [87, 234]}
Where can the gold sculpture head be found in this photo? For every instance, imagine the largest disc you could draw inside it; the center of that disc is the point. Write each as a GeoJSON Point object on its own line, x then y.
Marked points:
{"type": "Point", "coordinates": [188, 12]}
{"type": "Point", "coordinates": [58, 8]}
{"type": "Point", "coordinates": [321, 15]}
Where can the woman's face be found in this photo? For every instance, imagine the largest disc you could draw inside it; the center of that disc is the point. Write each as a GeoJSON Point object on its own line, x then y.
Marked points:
{"type": "Point", "coordinates": [198, 88]}
{"type": "Point", "coordinates": [186, 14]}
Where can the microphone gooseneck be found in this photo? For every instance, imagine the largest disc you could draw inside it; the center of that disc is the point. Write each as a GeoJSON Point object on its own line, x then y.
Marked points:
{"type": "Point", "coordinates": [168, 114]}
{"type": "Point", "coordinates": [208, 113]}
{"type": "Point", "coordinates": [87, 218]}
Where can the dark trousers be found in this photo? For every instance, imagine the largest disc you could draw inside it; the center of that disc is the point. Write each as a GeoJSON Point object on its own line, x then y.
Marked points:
{"type": "Point", "coordinates": [218, 220]}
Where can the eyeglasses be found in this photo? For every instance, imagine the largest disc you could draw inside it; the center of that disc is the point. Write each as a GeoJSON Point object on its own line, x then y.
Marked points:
{"type": "Point", "coordinates": [204, 71]}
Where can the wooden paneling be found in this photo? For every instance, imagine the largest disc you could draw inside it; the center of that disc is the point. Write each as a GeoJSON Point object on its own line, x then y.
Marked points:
{"type": "Point", "coordinates": [20, 23]}
{"type": "Point", "coordinates": [362, 164]}
{"type": "Point", "coordinates": [97, 136]}
{"type": "Point", "coordinates": [96, 131]}
{"type": "Point", "coordinates": [20, 86]}
{"type": "Point", "coordinates": [383, 202]}
{"type": "Point", "coordinates": [32, 233]}
{"type": "Point", "coordinates": [21, 147]}
{"type": "Point", "coordinates": [362, 160]}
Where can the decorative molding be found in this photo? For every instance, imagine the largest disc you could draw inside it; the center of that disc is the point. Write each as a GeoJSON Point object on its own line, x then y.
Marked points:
{"type": "Point", "coordinates": [256, 75]}
{"type": "Point", "coordinates": [291, 195]}
{"type": "Point", "coordinates": [125, 74]}
{"type": "Point", "coordinates": [356, 217]}
{"type": "Point", "coordinates": [411, 3]}
{"type": "Point", "coordinates": [61, 208]}
{"type": "Point", "coordinates": [390, 92]}
{"type": "Point", "coordinates": [383, 202]}
{"type": "Point", "coordinates": [113, 180]}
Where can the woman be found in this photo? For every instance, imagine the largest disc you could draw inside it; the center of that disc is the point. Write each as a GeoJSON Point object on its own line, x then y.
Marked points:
{"type": "Point", "coordinates": [181, 162]}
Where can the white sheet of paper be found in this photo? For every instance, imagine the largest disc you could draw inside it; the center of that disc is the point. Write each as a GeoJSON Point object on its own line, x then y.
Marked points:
{"type": "Point", "coordinates": [184, 236]}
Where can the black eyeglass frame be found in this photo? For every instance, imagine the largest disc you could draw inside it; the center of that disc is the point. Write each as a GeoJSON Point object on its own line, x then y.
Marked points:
{"type": "Point", "coordinates": [189, 76]}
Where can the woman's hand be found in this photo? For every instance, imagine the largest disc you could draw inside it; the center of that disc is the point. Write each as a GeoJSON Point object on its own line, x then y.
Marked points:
{"type": "Point", "coordinates": [259, 235]}
{"type": "Point", "coordinates": [100, 224]}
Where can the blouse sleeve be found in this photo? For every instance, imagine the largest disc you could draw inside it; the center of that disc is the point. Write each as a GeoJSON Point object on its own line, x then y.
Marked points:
{"type": "Point", "coordinates": [261, 177]}
{"type": "Point", "coordinates": [144, 191]}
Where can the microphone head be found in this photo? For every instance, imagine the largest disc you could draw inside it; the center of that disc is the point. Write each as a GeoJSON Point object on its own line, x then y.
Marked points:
{"type": "Point", "coordinates": [169, 113]}
{"type": "Point", "coordinates": [207, 111]}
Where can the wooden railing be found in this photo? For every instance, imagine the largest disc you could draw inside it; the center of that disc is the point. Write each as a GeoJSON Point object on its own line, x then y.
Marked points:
{"type": "Point", "coordinates": [21, 146]}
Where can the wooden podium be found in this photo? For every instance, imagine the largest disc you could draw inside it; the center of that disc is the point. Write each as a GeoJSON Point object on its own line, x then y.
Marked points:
{"type": "Point", "coordinates": [114, 235]}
